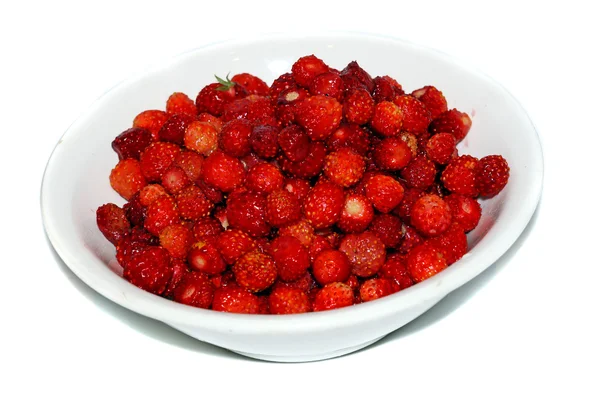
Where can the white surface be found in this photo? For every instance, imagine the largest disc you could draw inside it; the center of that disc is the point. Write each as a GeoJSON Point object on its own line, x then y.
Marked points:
{"type": "Point", "coordinates": [527, 325]}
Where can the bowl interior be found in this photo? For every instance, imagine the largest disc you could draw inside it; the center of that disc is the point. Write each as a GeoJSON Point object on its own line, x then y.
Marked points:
{"type": "Point", "coordinates": [76, 180]}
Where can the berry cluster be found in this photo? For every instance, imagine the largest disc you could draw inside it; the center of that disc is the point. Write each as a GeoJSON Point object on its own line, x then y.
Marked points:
{"type": "Point", "coordinates": [327, 189]}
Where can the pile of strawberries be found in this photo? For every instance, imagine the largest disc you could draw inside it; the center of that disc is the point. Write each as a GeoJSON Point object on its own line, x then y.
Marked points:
{"type": "Point", "coordinates": [327, 189]}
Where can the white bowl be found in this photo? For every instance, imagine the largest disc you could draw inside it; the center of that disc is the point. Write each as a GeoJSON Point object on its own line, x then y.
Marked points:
{"type": "Point", "coordinates": [76, 183]}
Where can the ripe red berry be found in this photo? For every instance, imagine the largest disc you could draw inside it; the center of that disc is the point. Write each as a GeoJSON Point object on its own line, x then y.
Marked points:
{"type": "Point", "coordinates": [355, 76]}
{"type": "Point", "coordinates": [452, 244]}
{"type": "Point", "coordinates": [441, 148]}
{"type": "Point", "coordinates": [112, 222]}
{"type": "Point", "coordinates": [294, 143]}
{"type": "Point", "coordinates": [204, 257]}
{"type": "Point", "coordinates": [466, 211]}
{"type": "Point", "coordinates": [156, 159]}
{"type": "Point", "coordinates": [356, 215]}
{"type": "Point", "coordinates": [344, 167]}
{"type": "Point", "coordinates": [395, 269]}
{"type": "Point", "coordinates": [319, 116]}
{"type": "Point", "coordinates": [235, 299]}
{"type": "Point", "coordinates": [210, 119]}
{"type": "Point", "coordinates": [384, 192]}
{"type": "Point", "coordinates": [388, 228]}
{"type": "Point", "coordinates": [135, 211]}
{"type": "Point", "coordinates": [177, 239]}
{"type": "Point", "coordinates": [410, 238]}
{"type": "Point", "coordinates": [173, 130]}
{"type": "Point", "coordinates": [492, 173]}
{"type": "Point", "coordinates": [365, 252]}
{"type": "Point", "coordinates": [255, 271]}
{"type": "Point", "coordinates": [234, 139]}
{"type": "Point", "coordinates": [318, 245]}
{"type": "Point", "coordinates": [281, 84]}
{"type": "Point", "coordinates": [127, 178]}
{"type": "Point", "coordinates": [232, 244]}
{"type": "Point", "coordinates": [192, 204]}
{"type": "Point", "coordinates": [425, 261]}
{"type": "Point", "coordinates": [194, 289]}
{"type": "Point", "coordinates": [333, 296]}
{"type": "Point", "coordinates": [298, 187]}
{"type": "Point", "coordinates": [162, 212]}
{"type": "Point", "coordinates": [306, 68]}
{"type": "Point", "coordinates": [328, 84]}
{"type": "Point", "coordinates": [433, 99]}
{"type": "Point", "coordinates": [419, 173]}
{"type": "Point", "coordinates": [207, 229]}
{"type": "Point", "coordinates": [290, 256]}
{"type": "Point", "coordinates": [331, 266]}
{"type": "Point", "coordinates": [252, 84]}
{"type": "Point", "coordinates": [324, 204]}
{"type": "Point", "coordinates": [213, 97]}
{"type": "Point", "coordinates": [392, 154]}
{"type": "Point", "coordinates": [387, 119]}
{"type": "Point", "coordinates": [179, 103]}
{"type": "Point", "coordinates": [283, 208]}
{"type": "Point", "coordinates": [151, 120]}
{"type": "Point", "coordinates": [431, 215]}
{"type": "Point", "coordinates": [452, 122]}
{"type": "Point", "coordinates": [302, 230]}
{"type": "Point", "coordinates": [359, 106]}
{"type": "Point", "coordinates": [386, 88]}
{"type": "Point", "coordinates": [180, 269]}
{"type": "Point", "coordinates": [201, 137]}
{"type": "Point", "coordinates": [133, 242]}
{"type": "Point", "coordinates": [287, 300]}
{"type": "Point", "coordinates": [149, 269]}
{"type": "Point", "coordinates": [263, 141]}
{"type": "Point", "coordinates": [131, 143]}
{"type": "Point", "coordinates": [416, 117]}
{"type": "Point", "coordinates": [223, 172]}
{"type": "Point", "coordinates": [375, 288]}
{"type": "Point", "coordinates": [264, 178]}
{"type": "Point", "coordinates": [351, 136]}
{"type": "Point", "coordinates": [460, 176]}
{"type": "Point", "coordinates": [175, 179]}
{"type": "Point", "coordinates": [247, 211]}
{"type": "Point", "coordinates": [309, 167]}
{"type": "Point", "coordinates": [190, 162]}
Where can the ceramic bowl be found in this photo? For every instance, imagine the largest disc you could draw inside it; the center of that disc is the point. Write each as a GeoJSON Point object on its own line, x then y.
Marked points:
{"type": "Point", "coordinates": [76, 183]}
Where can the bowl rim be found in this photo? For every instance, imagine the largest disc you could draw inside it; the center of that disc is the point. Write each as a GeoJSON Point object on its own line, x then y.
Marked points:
{"type": "Point", "coordinates": [159, 308]}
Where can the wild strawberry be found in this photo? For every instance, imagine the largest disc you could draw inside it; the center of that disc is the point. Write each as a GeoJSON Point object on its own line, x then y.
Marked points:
{"type": "Point", "coordinates": [127, 178]}
{"type": "Point", "coordinates": [151, 120]}
{"type": "Point", "coordinates": [255, 271]}
{"type": "Point", "coordinates": [466, 211]}
{"type": "Point", "coordinates": [433, 99]}
{"type": "Point", "coordinates": [264, 178]}
{"type": "Point", "coordinates": [290, 256]}
{"type": "Point", "coordinates": [210, 119]}
{"type": "Point", "coordinates": [452, 122]}
{"type": "Point", "coordinates": [302, 230]}
{"type": "Point", "coordinates": [318, 245]}
{"type": "Point", "coordinates": [204, 257]}
{"type": "Point", "coordinates": [344, 167]}
{"type": "Point", "coordinates": [174, 128]}
{"type": "Point", "coordinates": [162, 212]}
{"type": "Point", "coordinates": [235, 299]}
{"type": "Point", "coordinates": [412, 142]}
{"type": "Point", "coordinates": [411, 195]}
{"type": "Point", "coordinates": [410, 238]}
{"type": "Point", "coordinates": [392, 154]}
{"type": "Point", "coordinates": [425, 261]}
{"type": "Point", "coordinates": [324, 204]}
{"type": "Point", "coordinates": [175, 179]}
{"type": "Point", "coordinates": [201, 137]}
{"type": "Point", "coordinates": [386, 89]}
{"type": "Point", "coordinates": [135, 211]}
{"type": "Point", "coordinates": [207, 229]}
{"type": "Point", "coordinates": [460, 176]}
{"type": "Point", "coordinates": [319, 116]}
{"type": "Point", "coordinates": [133, 242]}
{"type": "Point", "coordinates": [309, 167]}
{"type": "Point", "coordinates": [331, 266]}
{"type": "Point", "coordinates": [419, 173]}
{"type": "Point", "coordinates": [180, 269]}
{"type": "Point", "coordinates": [234, 139]}
{"type": "Point", "coordinates": [452, 244]}
{"type": "Point", "coordinates": [149, 269]}
{"type": "Point", "coordinates": [223, 172]}
{"type": "Point", "coordinates": [157, 158]}
{"type": "Point", "coordinates": [441, 148]}
{"type": "Point", "coordinates": [395, 269]}
{"type": "Point", "coordinates": [283, 208]}
{"type": "Point", "coordinates": [232, 244]}
{"type": "Point", "coordinates": [112, 222]}
{"type": "Point", "coordinates": [263, 141]}
{"type": "Point", "coordinates": [351, 136]}
{"type": "Point", "coordinates": [194, 289]}
{"type": "Point", "coordinates": [415, 116]}
{"type": "Point", "coordinates": [298, 187]}
{"type": "Point", "coordinates": [353, 71]}
{"type": "Point", "coordinates": [286, 300]}
{"type": "Point", "coordinates": [294, 143]}
{"type": "Point", "coordinates": [190, 162]}
{"type": "Point", "coordinates": [387, 119]}
{"type": "Point", "coordinates": [255, 109]}
{"type": "Point", "coordinates": [306, 68]}
{"type": "Point", "coordinates": [179, 103]}
{"type": "Point", "coordinates": [246, 211]}
{"type": "Point", "coordinates": [365, 252]}
{"type": "Point", "coordinates": [131, 143]}
{"type": "Point", "coordinates": [375, 288]}
{"type": "Point", "coordinates": [252, 84]}
{"type": "Point", "coordinates": [328, 84]}
{"type": "Point", "coordinates": [492, 173]}
{"type": "Point", "coordinates": [431, 215]}
{"type": "Point", "coordinates": [192, 204]}
{"type": "Point", "coordinates": [384, 192]}
{"type": "Point", "coordinates": [356, 215]}
{"type": "Point", "coordinates": [333, 296]}
{"type": "Point", "coordinates": [151, 192]}
{"type": "Point", "coordinates": [281, 84]}
{"type": "Point", "coordinates": [177, 239]}
{"type": "Point", "coordinates": [215, 96]}
{"type": "Point", "coordinates": [388, 228]}
{"type": "Point", "coordinates": [292, 96]}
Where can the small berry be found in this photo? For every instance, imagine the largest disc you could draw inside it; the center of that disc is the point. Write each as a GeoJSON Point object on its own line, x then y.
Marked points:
{"type": "Point", "coordinates": [387, 119]}
{"type": "Point", "coordinates": [344, 167]}
{"type": "Point", "coordinates": [131, 143]}
{"type": "Point", "coordinates": [294, 143]}
{"type": "Point", "coordinates": [324, 204]}
{"type": "Point", "coordinates": [290, 256]}
{"type": "Point", "coordinates": [351, 136]}
{"type": "Point", "coordinates": [192, 204]}
{"type": "Point", "coordinates": [356, 215]}
{"type": "Point", "coordinates": [365, 251]}
{"type": "Point", "coordinates": [395, 269]}
{"type": "Point", "coordinates": [232, 244]}
{"type": "Point", "coordinates": [222, 172]}
{"type": "Point", "coordinates": [333, 296]}
{"type": "Point", "coordinates": [319, 116]}
{"type": "Point", "coordinates": [235, 299]}
{"type": "Point", "coordinates": [234, 139]}
{"type": "Point", "coordinates": [263, 141]}
{"type": "Point", "coordinates": [283, 208]}
{"type": "Point", "coordinates": [460, 176]}
{"type": "Point", "coordinates": [190, 162]}
{"type": "Point", "coordinates": [286, 300]}
{"type": "Point", "coordinates": [328, 84]}
{"type": "Point", "coordinates": [441, 148]}
{"type": "Point", "coordinates": [151, 192]}
{"type": "Point", "coordinates": [384, 192]}
{"type": "Point", "coordinates": [207, 229]}
{"type": "Point", "coordinates": [302, 230]}
{"type": "Point", "coordinates": [306, 68]}
{"type": "Point", "coordinates": [492, 173]}
{"type": "Point", "coordinates": [252, 84]}
{"type": "Point", "coordinates": [156, 159]}
{"type": "Point", "coordinates": [175, 179]}
{"type": "Point", "coordinates": [375, 288]}
{"type": "Point", "coordinates": [179, 103]}
{"type": "Point", "coordinates": [204, 257]}
{"type": "Point", "coordinates": [309, 167]}
{"type": "Point", "coordinates": [388, 228]}
{"type": "Point", "coordinates": [255, 271]}
{"type": "Point", "coordinates": [331, 266]}
{"type": "Point", "coordinates": [173, 130]}
{"type": "Point", "coordinates": [359, 107]}
{"type": "Point", "coordinates": [431, 215]}
{"type": "Point", "coordinates": [416, 117]}
{"type": "Point", "coordinates": [466, 211]}
{"type": "Point", "coordinates": [194, 289]}
{"type": "Point", "coordinates": [452, 122]}
{"type": "Point", "coordinates": [201, 137]}
{"type": "Point", "coordinates": [177, 239]}
{"type": "Point", "coordinates": [353, 72]}
{"type": "Point", "coordinates": [162, 212]}
{"type": "Point", "coordinates": [433, 99]}
{"type": "Point", "coordinates": [149, 269]}
{"type": "Point", "coordinates": [264, 178]}
{"type": "Point", "coordinates": [127, 178]}
{"type": "Point", "coordinates": [386, 89]}
{"type": "Point", "coordinates": [392, 154]}
{"type": "Point", "coordinates": [151, 120]}
{"type": "Point", "coordinates": [425, 261]}
{"type": "Point", "coordinates": [112, 222]}
{"type": "Point", "coordinates": [419, 173]}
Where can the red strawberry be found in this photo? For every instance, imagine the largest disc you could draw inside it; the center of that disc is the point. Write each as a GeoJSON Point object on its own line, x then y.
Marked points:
{"type": "Point", "coordinates": [309, 167]}
{"type": "Point", "coordinates": [292, 96]}
{"type": "Point", "coordinates": [298, 187]}
{"type": "Point", "coordinates": [215, 96]}
{"type": "Point", "coordinates": [319, 116]}
{"type": "Point", "coordinates": [333, 296]}
{"type": "Point", "coordinates": [210, 119]}
{"type": "Point", "coordinates": [157, 158]}
{"type": "Point", "coordinates": [324, 204]}
{"type": "Point", "coordinates": [412, 142]}
{"type": "Point", "coordinates": [234, 139]}
{"type": "Point", "coordinates": [235, 299]}
{"type": "Point", "coordinates": [392, 154]}
{"type": "Point", "coordinates": [286, 300]}
{"type": "Point", "coordinates": [384, 192]}
{"type": "Point", "coordinates": [387, 119]}
{"type": "Point", "coordinates": [492, 173]}
{"type": "Point", "coordinates": [411, 195]}
{"type": "Point", "coordinates": [180, 269]}
{"type": "Point", "coordinates": [127, 178]}
{"type": "Point", "coordinates": [223, 172]}
{"type": "Point", "coordinates": [151, 120]}
{"type": "Point", "coordinates": [419, 173]}
{"type": "Point", "coordinates": [395, 269]}
{"type": "Point", "coordinates": [282, 208]}
{"type": "Point", "coordinates": [149, 269]}
{"type": "Point", "coordinates": [263, 141]}
{"type": "Point", "coordinates": [151, 192]}
{"type": "Point", "coordinates": [232, 244]}
{"type": "Point", "coordinates": [290, 256]}
{"type": "Point", "coordinates": [255, 109]}
{"type": "Point", "coordinates": [410, 238]}
{"type": "Point", "coordinates": [161, 213]}
{"type": "Point", "coordinates": [204, 257]}
{"type": "Point", "coordinates": [131, 143]}
{"type": "Point", "coordinates": [246, 211]}
{"type": "Point", "coordinates": [306, 68]}
{"type": "Point", "coordinates": [177, 239]}
{"type": "Point", "coordinates": [375, 288]}
{"type": "Point", "coordinates": [201, 137]}
{"type": "Point", "coordinates": [331, 266]}
{"type": "Point", "coordinates": [365, 251]}
{"type": "Point", "coordinates": [192, 204]}
{"type": "Point", "coordinates": [318, 245]}
{"type": "Point", "coordinates": [452, 122]}
{"type": "Point", "coordinates": [179, 103]}
{"type": "Point", "coordinates": [431, 215]}
{"type": "Point", "coordinates": [466, 211]}
{"type": "Point", "coordinates": [354, 72]}
{"type": "Point", "coordinates": [302, 230]}
{"type": "Point", "coordinates": [328, 84]}
{"type": "Point", "coordinates": [133, 242]}
{"type": "Point", "coordinates": [264, 178]}
{"type": "Point", "coordinates": [305, 283]}
{"type": "Point", "coordinates": [294, 143]}
{"type": "Point", "coordinates": [388, 228]}
{"type": "Point", "coordinates": [452, 244]}
{"type": "Point", "coordinates": [281, 84]}
{"type": "Point", "coordinates": [135, 211]}
{"type": "Point", "coordinates": [194, 289]}
{"type": "Point", "coordinates": [351, 136]}
{"type": "Point", "coordinates": [190, 162]}
{"type": "Point", "coordinates": [460, 176]}
{"type": "Point", "coordinates": [175, 179]}
{"type": "Point", "coordinates": [255, 271]}
{"type": "Point", "coordinates": [357, 214]}
{"type": "Point", "coordinates": [441, 148]}
{"type": "Point", "coordinates": [207, 229]}
{"type": "Point", "coordinates": [425, 261]}
{"type": "Point", "coordinates": [252, 84]}
{"type": "Point", "coordinates": [173, 130]}
{"type": "Point", "coordinates": [386, 89]}
{"type": "Point", "coordinates": [433, 99]}
{"type": "Point", "coordinates": [416, 117]}
{"type": "Point", "coordinates": [344, 167]}
{"type": "Point", "coordinates": [112, 222]}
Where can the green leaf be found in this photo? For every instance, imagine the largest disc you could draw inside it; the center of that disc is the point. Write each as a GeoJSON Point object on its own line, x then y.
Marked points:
{"type": "Point", "coordinates": [225, 84]}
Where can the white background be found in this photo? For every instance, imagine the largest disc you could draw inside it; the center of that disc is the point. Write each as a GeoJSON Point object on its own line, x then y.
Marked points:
{"type": "Point", "coordinates": [527, 326]}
